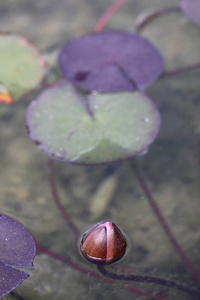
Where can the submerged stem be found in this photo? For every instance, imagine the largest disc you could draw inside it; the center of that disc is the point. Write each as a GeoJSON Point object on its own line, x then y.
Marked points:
{"type": "Point", "coordinates": [95, 275]}
{"type": "Point", "coordinates": [65, 261]}
{"type": "Point", "coordinates": [163, 223]}
{"type": "Point", "coordinates": [181, 70]}
{"type": "Point", "coordinates": [149, 280]}
{"type": "Point", "coordinates": [108, 14]}
{"type": "Point", "coordinates": [57, 200]}
{"type": "Point", "coordinates": [146, 17]}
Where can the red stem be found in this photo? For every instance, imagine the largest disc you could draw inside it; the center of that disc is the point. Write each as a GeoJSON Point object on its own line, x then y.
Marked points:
{"type": "Point", "coordinates": [95, 275]}
{"type": "Point", "coordinates": [163, 223]}
{"type": "Point", "coordinates": [68, 220]}
{"type": "Point", "coordinates": [57, 200]}
{"type": "Point", "coordinates": [137, 291]}
{"type": "Point", "coordinates": [67, 262]}
{"type": "Point", "coordinates": [181, 70]}
{"type": "Point", "coordinates": [149, 280]}
{"type": "Point", "coordinates": [108, 14]}
{"type": "Point", "coordinates": [146, 17]}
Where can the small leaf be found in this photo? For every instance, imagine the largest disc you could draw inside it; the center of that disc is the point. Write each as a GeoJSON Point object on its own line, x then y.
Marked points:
{"type": "Point", "coordinates": [17, 246]}
{"type": "Point", "coordinates": [110, 61]}
{"type": "Point", "coordinates": [17, 250]}
{"type": "Point", "coordinates": [10, 279]}
{"type": "Point", "coordinates": [192, 9]}
{"type": "Point", "coordinates": [22, 66]}
{"type": "Point", "coordinates": [98, 129]}
{"type": "Point", "coordinates": [5, 96]}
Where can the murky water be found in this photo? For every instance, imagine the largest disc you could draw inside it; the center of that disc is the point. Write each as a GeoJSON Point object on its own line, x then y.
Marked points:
{"type": "Point", "coordinates": [171, 167]}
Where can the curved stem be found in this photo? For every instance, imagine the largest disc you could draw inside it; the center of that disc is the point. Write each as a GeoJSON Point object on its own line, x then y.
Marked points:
{"type": "Point", "coordinates": [163, 223]}
{"type": "Point", "coordinates": [65, 261]}
{"type": "Point", "coordinates": [93, 274]}
{"type": "Point", "coordinates": [146, 294]}
{"type": "Point", "coordinates": [108, 14]}
{"type": "Point", "coordinates": [57, 200]}
{"type": "Point", "coordinates": [146, 17]}
{"type": "Point", "coordinates": [181, 70]}
{"type": "Point", "coordinates": [149, 280]}
{"type": "Point", "coordinates": [76, 232]}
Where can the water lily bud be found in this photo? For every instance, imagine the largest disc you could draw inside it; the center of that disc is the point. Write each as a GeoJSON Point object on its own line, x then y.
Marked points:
{"type": "Point", "coordinates": [103, 244]}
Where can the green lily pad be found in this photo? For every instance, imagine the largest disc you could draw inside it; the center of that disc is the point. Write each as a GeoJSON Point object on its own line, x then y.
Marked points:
{"type": "Point", "coordinates": [5, 96]}
{"type": "Point", "coordinates": [90, 130]}
{"type": "Point", "coordinates": [21, 65]}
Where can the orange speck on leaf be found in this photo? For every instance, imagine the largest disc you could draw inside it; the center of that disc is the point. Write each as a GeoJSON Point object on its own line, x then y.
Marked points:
{"type": "Point", "coordinates": [5, 98]}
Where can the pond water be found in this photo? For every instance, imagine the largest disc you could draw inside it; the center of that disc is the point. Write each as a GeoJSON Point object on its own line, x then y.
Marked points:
{"type": "Point", "coordinates": [171, 167]}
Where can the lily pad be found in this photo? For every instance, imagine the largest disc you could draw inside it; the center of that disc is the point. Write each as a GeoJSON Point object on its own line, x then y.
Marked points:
{"type": "Point", "coordinates": [5, 96]}
{"type": "Point", "coordinates": [91, 130]}
{"type": "Point", "coordinates": [17, 246]}
{"type": "Point", "coordinates": [192, 9]}
{"type": "Point", "coordinates": [10, 279]}
{"type": "Point", "coordinates": [17, 250]}
{"type": "Point", "coordinates": [22, 66]}
{"type": "Point", "coordinates": [110, 61]}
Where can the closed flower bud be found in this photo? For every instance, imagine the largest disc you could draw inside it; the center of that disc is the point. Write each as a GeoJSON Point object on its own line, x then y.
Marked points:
{"type": "Point", "coordinates": [103, 244]}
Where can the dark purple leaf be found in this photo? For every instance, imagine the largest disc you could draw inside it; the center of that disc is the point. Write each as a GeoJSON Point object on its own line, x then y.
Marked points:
{"type": "Point", "coordinates": [10, 278]}
{"type": "Point", "coordinates": [17, 246]}
{"type": "Point", "coordinates": [192, 9]}
{"type": "Point", "coordinates": [17, 250]}
{"type": "Point", "coordinates": [110, 61]}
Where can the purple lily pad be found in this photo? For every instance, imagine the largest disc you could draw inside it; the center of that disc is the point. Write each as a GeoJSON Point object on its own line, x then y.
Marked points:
{"type": "Point", "coordinates": [10, 279]}
{"type": "Point", "coordinates": [17, 250]}
{"type": "Point", "coordinates": [110, 61]}
{"type": "Point", "coordinates": [192, 9]}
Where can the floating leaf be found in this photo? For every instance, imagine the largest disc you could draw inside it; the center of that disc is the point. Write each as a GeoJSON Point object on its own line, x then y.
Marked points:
{"type": "Point", "coordinates": [17, 246]}
{"type": "Point", "coordinates": [22, 66]}
{"type": "Point", "coordinates": [97, 129]}
{"type": "Point", "coordinates": [5, 96]}
{"type": "Point", "coordinates": [110, 61]}
{"type": "Point", "coordinates": [192, 9]}
{"type": "Point", "coordinates": [17, 250]}
{"type": "Point", "coordinates": [10, 279]}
